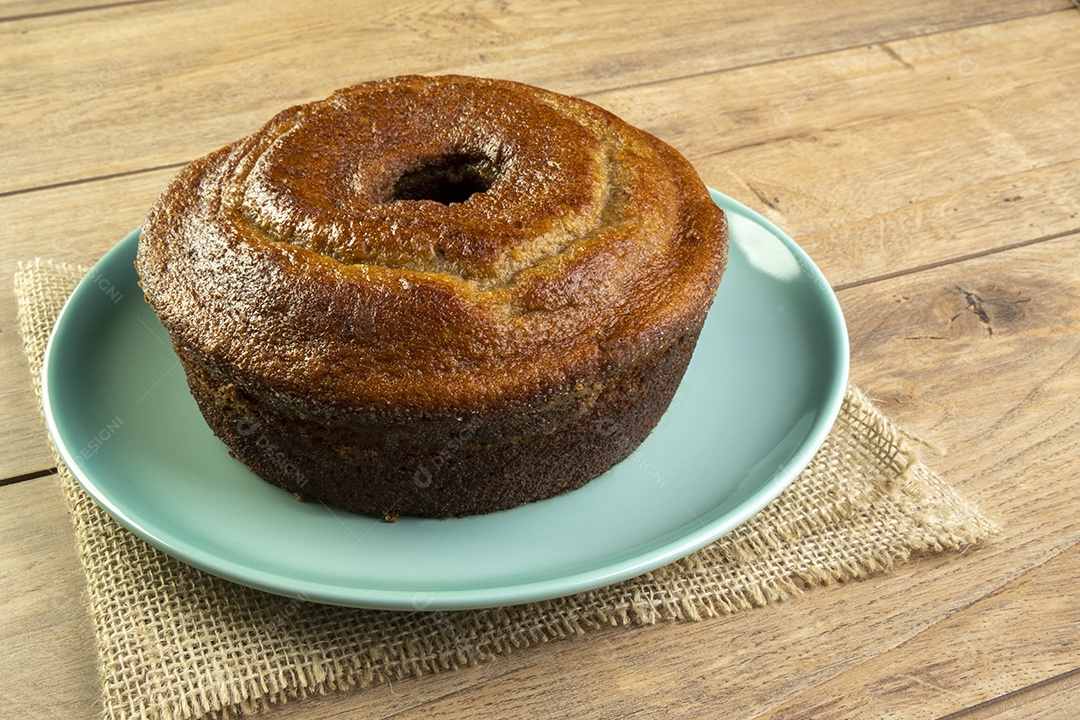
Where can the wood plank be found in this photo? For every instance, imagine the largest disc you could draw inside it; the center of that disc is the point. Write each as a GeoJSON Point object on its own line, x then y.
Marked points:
{"type": "Point", "coordinates": [1033, 622]}
{"type": "Point", "coordinates": [169, 82]}
{"type": "Point", "coordinates": [987, 354]}
{"type": "Point", "coordinates": [49, 663]}
{"type": "Point", "coordinates": [753, 662]}
{"type": "Point", "coordinates": [855, 155]}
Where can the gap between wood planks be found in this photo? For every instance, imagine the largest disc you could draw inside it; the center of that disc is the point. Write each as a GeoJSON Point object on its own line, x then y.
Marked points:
{"type": "Point", "coordinates": [954, 260]}
{"type": "Point", "coordinates": [27, 476]}
{"type": "Point", "coordinates": [988, 708]}
{"type": "Point", "coordinates": [830, 51]}
{"type": "Point", "coordinates": [93, 179]}
{"type": "Point", "coordinates": [73, 10]}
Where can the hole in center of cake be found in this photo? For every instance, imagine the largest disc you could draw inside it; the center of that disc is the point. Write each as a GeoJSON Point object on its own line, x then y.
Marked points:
{"type": "Point", "coordinates": [446, 180]}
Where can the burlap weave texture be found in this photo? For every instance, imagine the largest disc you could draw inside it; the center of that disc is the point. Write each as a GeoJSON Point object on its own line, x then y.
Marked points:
{"type": "Point", "coordinates": [175, 642]}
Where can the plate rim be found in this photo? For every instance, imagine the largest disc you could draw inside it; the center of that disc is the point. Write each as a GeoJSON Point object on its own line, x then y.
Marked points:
{"type": "Point", "coordinates": [491, 595]}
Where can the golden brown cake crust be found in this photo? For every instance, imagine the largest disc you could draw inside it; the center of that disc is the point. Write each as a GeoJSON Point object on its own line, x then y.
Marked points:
{"type": "Point", "coordinates": [433, 248]}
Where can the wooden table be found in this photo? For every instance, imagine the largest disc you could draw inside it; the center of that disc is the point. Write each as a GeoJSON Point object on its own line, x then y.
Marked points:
{"type": "Point", "coordinates": [926, 155]}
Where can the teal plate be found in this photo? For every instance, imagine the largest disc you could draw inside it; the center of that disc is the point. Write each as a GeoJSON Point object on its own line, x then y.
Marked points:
{"type": "Point", "coordinates": [759, 398]}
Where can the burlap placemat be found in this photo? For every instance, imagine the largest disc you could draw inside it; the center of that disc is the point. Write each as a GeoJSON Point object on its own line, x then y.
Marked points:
{"type": "Point", "coordinates": [177, 643]}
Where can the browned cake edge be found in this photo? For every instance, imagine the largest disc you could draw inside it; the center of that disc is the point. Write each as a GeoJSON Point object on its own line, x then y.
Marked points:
{"type": "Point", "coordinates": [448, 465]}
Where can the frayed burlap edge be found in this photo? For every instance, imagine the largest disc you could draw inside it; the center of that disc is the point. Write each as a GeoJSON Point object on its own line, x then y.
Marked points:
{"type": "Point", "coordinates": [174, 642]}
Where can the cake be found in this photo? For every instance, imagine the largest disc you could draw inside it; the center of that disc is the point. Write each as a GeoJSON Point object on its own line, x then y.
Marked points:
{"type": "Point", "coordinates": [434, 296]}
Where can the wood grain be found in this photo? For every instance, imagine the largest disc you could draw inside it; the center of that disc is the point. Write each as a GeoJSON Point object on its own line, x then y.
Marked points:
{"type": "Point", "coordinates": [22, 10]}
{"type": "Point", "coordinates": [215, 72]}
{"type": "Point", "coordinates": [927, 156]}
{"type": "Point", "coordinates": [50, 659]}
{"type": "Point", "coordinates": [961, 158]}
